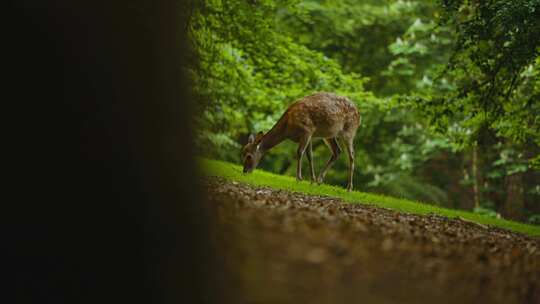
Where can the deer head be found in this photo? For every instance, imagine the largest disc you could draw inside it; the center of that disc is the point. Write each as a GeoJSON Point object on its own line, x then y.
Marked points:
{"type": "Point", "coordinates": [252, 153]}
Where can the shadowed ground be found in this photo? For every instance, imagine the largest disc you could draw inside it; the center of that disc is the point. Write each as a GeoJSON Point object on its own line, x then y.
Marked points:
{"type": "Point", "coordinates": [283, 247]}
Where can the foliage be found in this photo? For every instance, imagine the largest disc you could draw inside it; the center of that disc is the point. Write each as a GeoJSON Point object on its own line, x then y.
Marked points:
{"type": "Point", "coordinates": [356, 33]}
{"type": "Point", "coordinates": [494, 69]}
{"type": "Point", "coordinates": [486, 212]}
{"type": "Point", "coordinates": [534, 219]}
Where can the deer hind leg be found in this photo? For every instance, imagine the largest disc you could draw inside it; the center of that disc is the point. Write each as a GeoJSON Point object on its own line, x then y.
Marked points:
{"type": "Point", "coordinates": [309, 154]}
{"type": "Point", "coordinates": [349, 145]}
{"type": "Point", "coordinates": [336, 150]}
{"type": "Point", "coordinates": [302, 145]}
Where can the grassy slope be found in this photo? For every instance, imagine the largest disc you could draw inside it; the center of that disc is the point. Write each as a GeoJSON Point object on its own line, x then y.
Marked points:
{"type": "Point", "coordinates": [262, 178]}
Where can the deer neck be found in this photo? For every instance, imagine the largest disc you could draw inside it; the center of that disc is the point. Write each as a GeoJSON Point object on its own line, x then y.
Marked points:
{"type": "Point", "coordinates": [275, 136]}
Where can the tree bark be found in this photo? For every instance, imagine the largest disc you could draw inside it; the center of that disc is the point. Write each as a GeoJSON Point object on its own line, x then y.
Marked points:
{"type": "Point", "coordinates": [477, 177]}
{"type": "Point", "coordinates": [514, 202]}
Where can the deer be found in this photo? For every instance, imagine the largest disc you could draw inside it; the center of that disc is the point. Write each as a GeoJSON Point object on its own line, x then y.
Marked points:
{"type": "Point", "coordinates": [320, 115]}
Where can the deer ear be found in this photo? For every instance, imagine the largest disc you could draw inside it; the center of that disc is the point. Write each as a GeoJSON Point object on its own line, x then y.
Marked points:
{"type": "Point", "coordinates": [251, 139]}
{"type": "Point", "coordinates": [259, 136]}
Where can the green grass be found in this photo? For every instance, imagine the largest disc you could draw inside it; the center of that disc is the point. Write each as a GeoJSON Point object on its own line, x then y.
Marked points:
{"type": "Point", "coordinates": [261, 178]}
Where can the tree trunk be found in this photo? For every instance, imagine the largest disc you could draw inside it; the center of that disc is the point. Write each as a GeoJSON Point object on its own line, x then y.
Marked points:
{"type": "Point", "coordinates": [467, 182]}
{"type": "Point", "coordinates": [477, 177]}
{"type": "Point", "coordinates": [514, 203]}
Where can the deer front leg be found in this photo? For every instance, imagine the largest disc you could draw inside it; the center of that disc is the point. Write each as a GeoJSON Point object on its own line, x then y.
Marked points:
{"type": "Point", "coordinates": [309, 154]}
{"type": "Point", "coordinates": [350, 153]}
{"type": "Point", "coordinates": [302, 144]}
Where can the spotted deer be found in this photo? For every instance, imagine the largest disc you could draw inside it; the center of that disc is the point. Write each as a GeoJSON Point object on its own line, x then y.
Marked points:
{"type": "Point", "coordinates": [321, 115]}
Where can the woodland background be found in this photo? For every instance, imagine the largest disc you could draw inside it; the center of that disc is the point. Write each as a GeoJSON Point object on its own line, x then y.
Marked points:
{"type": "Point", "coordinates": [449, 91]}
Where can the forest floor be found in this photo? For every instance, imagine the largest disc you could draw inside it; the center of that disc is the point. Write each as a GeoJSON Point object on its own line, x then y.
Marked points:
{"type": "Point", "coordinates": [275, 181]}
{"type": "Point", "coordinates": [276, 246]}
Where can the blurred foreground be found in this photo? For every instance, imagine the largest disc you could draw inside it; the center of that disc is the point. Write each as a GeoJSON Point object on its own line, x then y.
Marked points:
{"type": "Point", "coordinates": [279, 247]}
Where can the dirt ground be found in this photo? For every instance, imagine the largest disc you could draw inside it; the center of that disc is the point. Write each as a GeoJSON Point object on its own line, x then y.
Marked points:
{"type": "Point", "coordinates": [282, 247]}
